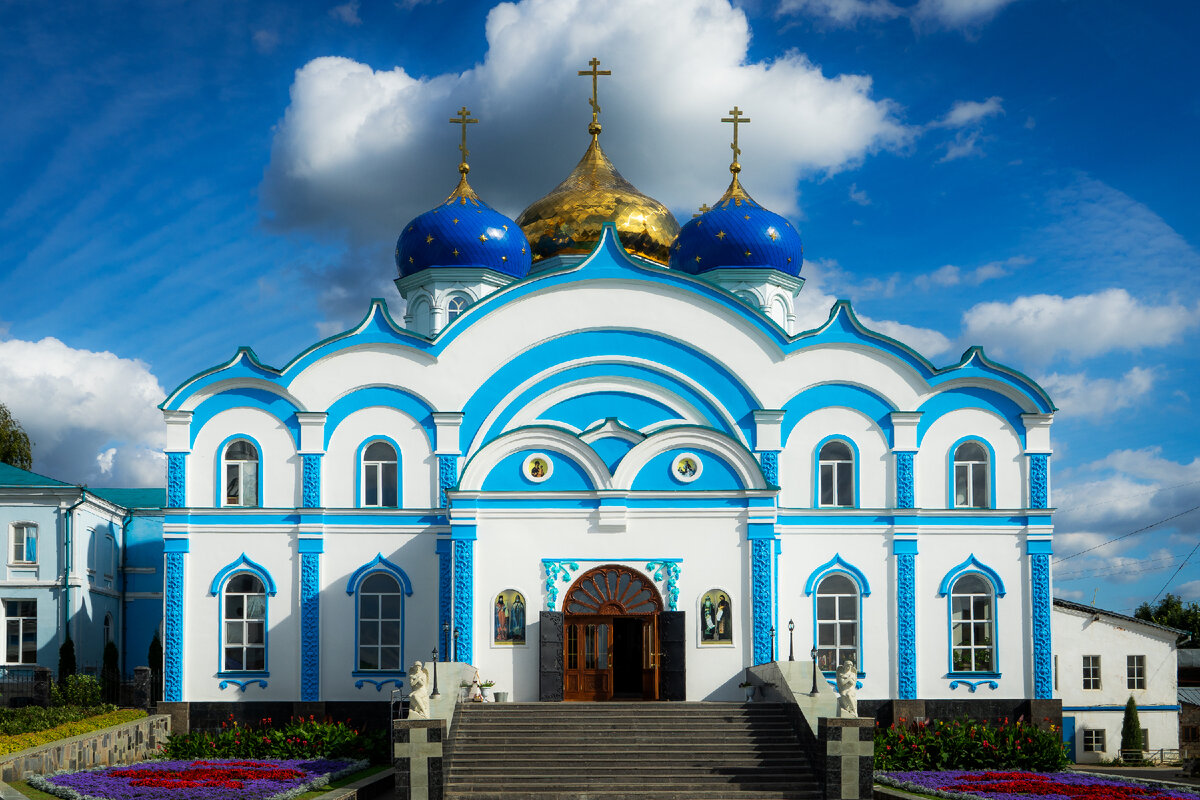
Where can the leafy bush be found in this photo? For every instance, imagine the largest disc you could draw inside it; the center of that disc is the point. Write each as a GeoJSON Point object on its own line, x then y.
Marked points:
{"type": "Point", "coordinates": [110, 674]}
{"type": "Point", "coordinates": [969, 744]}
{"type": "Point", "coordinates": [66, 660]}
{"type": "Point", "coordinates": [76, 690]}
{"type": "Point", "coordinates": [14, 721]}
{"type": "Point", "coordinates": [298, 738]}
{"type": "Point", "coordinates": [23, 741]}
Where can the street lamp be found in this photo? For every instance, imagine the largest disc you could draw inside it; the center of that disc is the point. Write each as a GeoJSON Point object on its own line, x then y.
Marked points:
{"type": "Point", "coordinates": [791, 641]}
{"type": "Point", "coordinates": [455, 655]}
{"type": "Point", "coordinates": [436, 693]}
{"type": "Point", "coordinates": [813, 653]}
{"type": "Point", "coordinates": [772, 643]}
{"type": "Point", "coordinates": [446, 639]}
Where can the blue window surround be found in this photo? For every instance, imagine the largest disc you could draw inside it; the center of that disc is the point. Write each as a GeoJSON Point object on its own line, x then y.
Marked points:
{"type": "Point", "coordinates": [839, 566]}
{"type": "Point", "coordinates": [243, 565]}
{"type": "Point", "coordinates": [358, 471]}
{"type": "Point", "coordinates": [974, 566]}
{"type": "Point", "coordinates": [219, 472]}
{"type": "Point", "coordinates": [378, 564]}
{"type": "Point", "coordinates": [837, 437]}
{"type": "Point", "coordinates": [991, 467]}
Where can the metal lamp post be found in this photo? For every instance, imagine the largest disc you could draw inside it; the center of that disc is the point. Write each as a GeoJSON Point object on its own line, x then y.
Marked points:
{"type": "Point", "coordinates": [446, 640]}
{"type": "Point", "coordinates": [772, 643]}
{"type": "Point", "coordinates": [455, 654]}
{"type": "Point", "coordinates": [435, 693]}
{"type": "Point", "coordinates": [791, 640]}
{"type": "Point", "coordinates": [813, 653]}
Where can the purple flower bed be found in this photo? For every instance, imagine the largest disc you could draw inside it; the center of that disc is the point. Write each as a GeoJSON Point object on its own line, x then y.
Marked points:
{"type": "Point", "coordinates": [963, 785]}
{"type": "Point", "coordinates": [216, 779]}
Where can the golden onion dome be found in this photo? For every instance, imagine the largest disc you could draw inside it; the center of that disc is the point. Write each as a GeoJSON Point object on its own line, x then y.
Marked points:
{"type": "Point", "coordinates": [569, 219]}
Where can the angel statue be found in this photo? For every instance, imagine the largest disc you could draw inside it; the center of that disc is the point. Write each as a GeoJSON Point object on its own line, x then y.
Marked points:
{"type": "Point", "coordinates": [847, 678]}
{"type": "Point", "coordinates": [418, 695]}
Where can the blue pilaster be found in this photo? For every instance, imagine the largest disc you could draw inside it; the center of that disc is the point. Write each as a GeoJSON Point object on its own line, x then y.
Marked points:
{"type": "Point", "coordinates": [445, 554]}
{"type": "Point", "coordinates": [464, 583]}
{"type": "Point", "coordinates": [905, 488]}
{"type": "Point", "coordinates": [770, 466]}
{"type": "Point", "coordinates": [173, 620]}
{"type": "Point", "coordinates": [447, 477]}
{"type": "Point", "coordinates": [1039, 596]}
{"type": "Point", "coordinates": [176, 480]}
{"type": "Point", "coordinates": [310, 496]}
{"type": "Point", "coordinates": [1039, 480]}
{"type": "Point", "coordinates": [905, 551]}
{"type": "Point", "coordinates": [762, 606]}
{"type": "Point", "coordinates": [310, 619]}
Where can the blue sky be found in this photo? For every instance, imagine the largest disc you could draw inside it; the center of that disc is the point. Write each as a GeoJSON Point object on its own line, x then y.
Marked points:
{"type": "Point", "coordinates": [177, 179]}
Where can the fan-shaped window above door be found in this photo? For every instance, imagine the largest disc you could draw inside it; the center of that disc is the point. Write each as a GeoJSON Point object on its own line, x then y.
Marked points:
{"type": "Point", "coordinates": [613, 590]}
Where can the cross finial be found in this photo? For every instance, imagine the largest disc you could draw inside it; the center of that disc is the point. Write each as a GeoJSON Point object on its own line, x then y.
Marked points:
{"type": "Point", "coordinates": [704, 209]}
{"type": "Point", "coordinates": [464, 119]}
{"type": "Point", "coordinates": [595, 72]}
{"type": "Point", "coordinates": [736, 118]}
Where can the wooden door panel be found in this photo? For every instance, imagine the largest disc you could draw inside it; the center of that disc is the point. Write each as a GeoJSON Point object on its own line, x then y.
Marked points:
{"type": "Point", "coordinates": [587, 657]}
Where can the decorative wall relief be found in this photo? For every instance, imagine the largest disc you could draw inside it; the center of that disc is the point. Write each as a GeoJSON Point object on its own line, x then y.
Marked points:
{"type": "Point", "coordinates": [173, 630]}
{"type": "Point", "coordinates": [1043, 653]}
{"type": "Point", "coordinates": [463, 598]}
{"type": "Point", "coordinates": [906, 624]}
{"type": "Point", "coordinates": [905, 489]}
{"type": "Point", "coordinates": [760, 597]}
{"type": "Point", "coordinates": [176, 480]}
{"type": "Point", "coordinates": [1039, 480]}
{"type": "Point", "coordinates": [557, 571]}
{"type": "Point", "coordinates": [310, 627]}
{"type": "Point", "coordinates": [447, 477]}
{"type": "Point", "coordinates": [310, 496]}
{"type": "Point", "coordinates": [667, 571]}
{"type": "Point", "coordinates": [770, 466]}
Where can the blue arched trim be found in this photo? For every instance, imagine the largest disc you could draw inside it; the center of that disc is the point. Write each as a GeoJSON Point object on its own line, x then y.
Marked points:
{"type": "Point", "coordinates": [972, 564]}
{"type": "Point", "coordinates": [378, 564]}
{"type": "Point", "coordinates": [837, 437]}
{"type": "Point", "coordinates": [358, 471]}
{"type": "Point", "coordinates": [843, 395]}
{"type": "Point", "coordinates": [242, 564]}
{"type": "Point", "coordinates": [270, 403]}
{"type": "Point", "coordinates": [970, 397]}
{"type": "Point", "coordinates": [386, 397]}
{"type": "Point", "coordinates": [838, 564]}
{"type": "Point", "coordinates": [991, 468]}
{"type": "Point", "coordinates": [219, 471]}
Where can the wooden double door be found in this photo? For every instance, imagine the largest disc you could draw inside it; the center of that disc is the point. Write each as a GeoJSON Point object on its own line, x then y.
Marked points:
{"type": "Point", "coordinates": [609, 657]}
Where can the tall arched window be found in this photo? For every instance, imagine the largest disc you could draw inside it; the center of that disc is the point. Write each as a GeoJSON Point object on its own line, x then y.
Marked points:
{"type": "Point", "coordinates": [380, 623]}
{"type": "Point", "coordinates": [241, 474]}
{"type": "Point", "coordinates": [108, 628]}
{"type": "Point", "coordinates": [971, 476]}
{"type": "Point", "coordinates": [837, 622]}
{"type": "Point", "coordinates": [244, 624]}
{"type": "Point", "coordinates": [835, 466]}
{"type": "Point", "coordinates": [972, 625]}
{"type": "Point", "coordinates": [379, 486]}
{"type": "Point", "coordinates": [455, 308]}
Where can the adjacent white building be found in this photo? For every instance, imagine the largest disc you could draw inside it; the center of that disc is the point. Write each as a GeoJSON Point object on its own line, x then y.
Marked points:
{"type": "Point", "coordinates": [1101, 660]}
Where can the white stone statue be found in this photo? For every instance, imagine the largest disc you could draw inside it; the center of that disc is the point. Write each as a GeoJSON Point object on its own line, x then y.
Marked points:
{"type": "Point", "coordinates": [418, 694]}
{"type": "Point", "coordinates": [847, 679]}
{"type": "Point", "coordinates": [475, 692]}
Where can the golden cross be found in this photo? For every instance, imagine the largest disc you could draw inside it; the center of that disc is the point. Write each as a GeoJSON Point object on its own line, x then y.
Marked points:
{"type": "Point", "coordinates": [463, 119]}
{"type": "Point", "coordinates": [595, 73]}
{"type": "Point", "coordinates": [736, 119]}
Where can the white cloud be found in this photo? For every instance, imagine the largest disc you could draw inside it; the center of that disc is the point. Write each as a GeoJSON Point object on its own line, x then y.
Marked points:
{"type": "Point", "coordinates": [859, 196]}
{"type": "Point", "coordinates": [952, 14]}
{"type": "Point", "coordinates": [951, 275]}
{"type": "Point", "coordinates": [92, 416]}
{"type": "Point", "coordinates": [359, 151]}
{"type": "Point", "coordinates": [1078, 395]}
{"type": "Point", "coordinates": [969, 112]}
{"type": "Point", "coordinates": [347, 13]}
{"type": "Point", "coordinates": [1039, 327]}
{"type": "Point", "coordinates": [1188, 591]}
{"type": "Point", "coordinates": [959, 14]}
{"type": "Point", "coordinates": [842, 13]}
{"type": "Point", "coordinates": [265, 41]}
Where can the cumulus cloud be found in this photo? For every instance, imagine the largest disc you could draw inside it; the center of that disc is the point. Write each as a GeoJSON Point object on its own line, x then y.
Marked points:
{"type": "Point", "coordinates": [969, 112]}
{"type": "Point", "coordinates": [951, 275]}
{"type": "Point", "coordinates": [359, 151]}
{"type": "Point", "coordinates": [1039, 327]}
{"type": "Point", "coordinates": [842, 13]}
{"type": "Point", "coordinates": [92, 416]}
{"type": "Point", "coordinates": [1078, 395]}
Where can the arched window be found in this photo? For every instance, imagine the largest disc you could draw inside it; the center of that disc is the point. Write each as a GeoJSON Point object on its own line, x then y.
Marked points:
{"type": "Point", "coordinates": [835, 466]}
{"type": "Point", "coordinates": [422, 317]}
{"type": "Point", "coordinates": [455, 308]}
{"type": "Point", "coordinates": [837, 622]}
{"type": "Point", "coordinates": [971, 476]}
{"type": "Point", "coordinates": [108, 628]}
{"type": "Point", "coordinates": [972, 625]}
{"type": "Point", "coordinates": [379, 486]}
{"type": "Point", "coordinates": [380, 624]}
{"type": "Point", "coordinates": [241, 474]}
{"type": "Point", "coordinates": [244, 624]}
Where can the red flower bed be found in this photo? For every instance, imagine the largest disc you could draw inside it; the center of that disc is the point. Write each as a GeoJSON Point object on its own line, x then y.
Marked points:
{"type": "Point", "coordinates": [1038, 785]}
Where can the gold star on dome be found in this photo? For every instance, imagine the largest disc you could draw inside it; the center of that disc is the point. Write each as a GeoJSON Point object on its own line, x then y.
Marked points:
{"type": "Point", "coordinates": [720, 234]}
{"type": "Point", "coordinates": [747, 217]}
{"type": "Point", "coordinates": [504, 226]}
{"type": "Point", "coordinates": [677, 245]}
{"type": "Point", "coordinates": [771, 232]}
{"type": "Point", "coordinates": [456, 252]}
{"type": "Point", "coordinates": [410, 259]}
{"type": "Point", "coordinates": [410, 227]}
{"type": "Point", "coordinates": [504, 258]}
{"type": "Point", "coordinates": [456, 220]}
{"type": "Point", "coordinates": [522, 249]}
{"type": "Point", "coordinates": [483, 237]}
{"type": "Point", "coordinates": [697, 259]}
{"type": "Point", "coordinates": [747, 254]}
{"type": "Point", "coordinates": [429, 239]}
{"type": "Point", "coordinates": [789, 259]}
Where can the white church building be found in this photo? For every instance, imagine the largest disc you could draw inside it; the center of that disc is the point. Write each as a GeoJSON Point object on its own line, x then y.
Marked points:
{"type": "Point", "coordinates": [595, 460]}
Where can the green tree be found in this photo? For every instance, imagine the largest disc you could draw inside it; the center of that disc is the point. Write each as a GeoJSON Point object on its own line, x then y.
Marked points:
{"type": "Point", "coordinates": [1174, 613]}
{"type": "Point", "coordinates": [15, 447]}
{"type": "Point", "coordinates": [110, 674]}
{"type": "Point", "coordinates": [1131, 731]}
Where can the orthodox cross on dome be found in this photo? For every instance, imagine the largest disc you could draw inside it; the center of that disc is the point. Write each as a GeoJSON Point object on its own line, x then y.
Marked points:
{"type": "Point", "coordinates": [736, 118]}
{"type": "Point", "coordinates": [464, 119]}
{"type": "Point", "coordinates": [595, 72]}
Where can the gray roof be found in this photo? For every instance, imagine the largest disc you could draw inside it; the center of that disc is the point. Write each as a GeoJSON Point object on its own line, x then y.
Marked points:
{"type": "Point", "coordinates": [1093, 610]}
{"type": "Point", "coordinates": [1189, 695]}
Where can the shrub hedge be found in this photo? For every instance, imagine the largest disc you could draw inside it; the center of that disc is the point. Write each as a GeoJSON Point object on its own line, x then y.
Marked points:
{"type": "Point", "coordinates": [970, 745]}
{"type": "Point", "coordinates": [63, 730]}
{"type": "Point", "coordinates": [298, 738]}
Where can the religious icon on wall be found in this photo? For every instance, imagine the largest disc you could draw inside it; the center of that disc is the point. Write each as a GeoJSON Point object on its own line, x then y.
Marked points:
{"type": "Point", "coordinates": [716, 618]}
{"type": "Point", "coordinates": [537, 467]}
{"type": "Point", "coordinates": [686, 467]}
{"type": "Point", "coordinates": [508, 618]}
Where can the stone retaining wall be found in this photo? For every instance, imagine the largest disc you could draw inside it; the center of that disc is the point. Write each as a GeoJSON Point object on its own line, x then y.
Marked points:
{"type": "Point", "coordinates": [126, 743]}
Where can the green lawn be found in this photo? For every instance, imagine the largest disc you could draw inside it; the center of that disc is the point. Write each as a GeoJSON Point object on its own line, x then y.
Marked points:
{"type": "Point", "coordinates": [32, 793]}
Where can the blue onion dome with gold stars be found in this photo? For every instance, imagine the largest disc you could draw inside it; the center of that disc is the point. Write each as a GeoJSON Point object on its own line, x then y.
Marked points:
{"type": "Point", "coordinates": [463, 231]}
{"type": "Point", "coordinates": [737, 232]}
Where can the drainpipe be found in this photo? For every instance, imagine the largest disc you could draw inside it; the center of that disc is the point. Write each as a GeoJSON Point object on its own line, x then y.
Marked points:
{"type": "Point", "coordinates": [121, 609]}
{"type": "Point", "coordinates": [67, 562]}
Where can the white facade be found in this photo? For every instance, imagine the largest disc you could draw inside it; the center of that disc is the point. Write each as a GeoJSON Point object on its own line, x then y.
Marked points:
{"type": "Point", "coordinates": [1101, 660]}
{"type": "Point", "coordinates": [609, 370]}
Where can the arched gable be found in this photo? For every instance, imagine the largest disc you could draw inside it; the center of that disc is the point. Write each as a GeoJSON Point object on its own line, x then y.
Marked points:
{"type": "Point", "coordinates": [525, 440]}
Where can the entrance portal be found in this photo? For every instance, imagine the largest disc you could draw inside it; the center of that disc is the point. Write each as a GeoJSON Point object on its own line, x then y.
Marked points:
{"type": "Point", "coordinates": [610, 636]}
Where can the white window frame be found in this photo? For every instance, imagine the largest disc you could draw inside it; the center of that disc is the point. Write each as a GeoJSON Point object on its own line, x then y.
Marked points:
{"type": "Point", "coordinates": [379, 482]}
{"type": "Point", "coordinates": [378, 620]}
{"type": "Point", "coordinates": [453, 312]}
{"type": "Point", "coordinates": [110, 546]}
{"type": "Point", "coordinates": [833, 624]}
{"type": "Point", "coordinates": [237, 465]}
{"type": "Point", "coordinates": [21, 534]}
{"type": "Point", "coordinates": [242, 625]}
{"type": "Point", "coordinates": [1135, 671]}
{"type": "Point", "coordinates": [108, 628]}
{"type": "Point", "coordinates": [1092, 737]}
{"type": "Point", "coordinates": [970, 623]}
{"type": "Point", "coordinates": [968, 469]}
{"type": "Point", "coordinates": [829, 468]}
{"type": "Point", "coordinates": [25, 633]}
{"type": "Point", "coordinates": [1091, 673]}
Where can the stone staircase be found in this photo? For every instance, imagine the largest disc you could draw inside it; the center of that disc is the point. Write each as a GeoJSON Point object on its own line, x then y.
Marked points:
{"type": "Point", "coordinates": [614, 751]}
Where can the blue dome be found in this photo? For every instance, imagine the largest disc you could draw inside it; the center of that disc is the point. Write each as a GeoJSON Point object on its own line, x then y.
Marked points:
{"type": "Point", "coordinates": [737, 233]}
{"type": "Point", "coordinates": [463, 232]}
